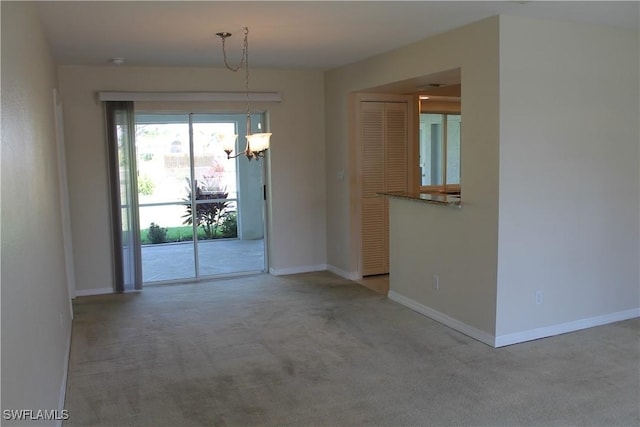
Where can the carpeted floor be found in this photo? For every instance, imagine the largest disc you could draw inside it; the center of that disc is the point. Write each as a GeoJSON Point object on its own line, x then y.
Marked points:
{"type": "Point", "coordinates": [318, 350]}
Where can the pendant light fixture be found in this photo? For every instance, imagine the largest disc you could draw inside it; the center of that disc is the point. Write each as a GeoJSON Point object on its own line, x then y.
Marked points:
{"type": "Point", "coordinates": [257, 143]}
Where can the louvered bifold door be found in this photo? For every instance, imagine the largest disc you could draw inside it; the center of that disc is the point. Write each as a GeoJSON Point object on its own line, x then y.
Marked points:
{"type": "Point", "coordinates": [383, 154]}
{"type": "Point", "coordinates": [374, 236]}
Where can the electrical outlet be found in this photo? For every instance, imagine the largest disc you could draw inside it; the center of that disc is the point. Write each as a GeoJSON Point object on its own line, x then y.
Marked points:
{"type": "Point", "coordinates": [436, 282]}
{"type": "Point", "coordinates": [538, 296]}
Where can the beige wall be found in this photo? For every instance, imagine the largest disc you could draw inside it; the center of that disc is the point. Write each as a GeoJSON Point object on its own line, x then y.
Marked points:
{"type": "Point", "coordinates": [36, 317]}
{"type": "Point", "coordinates": [569, 183]}
{"type": "Point", "coordinates": [460, 246]}
{"type": "Point", "coordinates": [297, 229]}
{"type": "Point", "coordinates": [550, 181]}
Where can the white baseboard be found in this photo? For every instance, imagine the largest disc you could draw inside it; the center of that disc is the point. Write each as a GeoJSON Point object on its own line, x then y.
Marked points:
{"type": "Point", "coordinates": [98, 291]}
{"type": "Point", "coordinates": [345, 274]}
{"type": "Point", "coordinates": [459, 326]}
{"type": "Point", "coordinates": [563, 328]}
{"type": "Point", "coordinates": [65, 373]}
{"type": "Point", "coordinates": [296, 270]}
{"type": "Point", "coordinates": [518, 337]}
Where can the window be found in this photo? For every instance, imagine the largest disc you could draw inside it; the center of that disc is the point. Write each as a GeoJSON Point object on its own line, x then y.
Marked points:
{"type": "Point", "coordinates": [439, 160]}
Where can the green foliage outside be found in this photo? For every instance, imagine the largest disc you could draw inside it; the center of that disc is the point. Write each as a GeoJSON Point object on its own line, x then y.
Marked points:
{"type": "Point", "coordinates": [177, 234]}
{"type": "Point", "coordinates": [210, 216]}
{"type": "Point", "coordinates": [215, 219]}
{"type": "Point", "coordinates": [229, 226]}
{"type": "Point", "coordinates": [145, 185]}
{"type": "Point", "coordinates": [157, 234]}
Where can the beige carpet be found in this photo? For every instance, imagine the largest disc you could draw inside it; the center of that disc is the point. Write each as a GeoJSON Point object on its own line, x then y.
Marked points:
{"type": "Point", "coordinates": [317, 350]}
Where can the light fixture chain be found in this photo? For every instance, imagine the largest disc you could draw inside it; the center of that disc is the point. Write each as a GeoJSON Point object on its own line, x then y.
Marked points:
{"type": "Point", "coordinates": [244, 51]}
{"type": "Point", "coordinates": [262, 143]}
{"type": "Point", "coordinates": [246, 64]}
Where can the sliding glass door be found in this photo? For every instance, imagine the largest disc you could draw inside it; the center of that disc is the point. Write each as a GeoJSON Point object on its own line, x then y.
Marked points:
{"type": "Point", "coordinates": [201, 214]}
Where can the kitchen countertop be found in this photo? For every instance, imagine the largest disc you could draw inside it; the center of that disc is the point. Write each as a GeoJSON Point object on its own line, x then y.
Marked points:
{"type": "Point", "coordinates": [430, 198]}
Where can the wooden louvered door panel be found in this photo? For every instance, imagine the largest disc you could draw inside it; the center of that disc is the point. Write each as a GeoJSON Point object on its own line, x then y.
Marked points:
{"type": "Point", "coordinates": [384, 168]}
{"type": "Point", "coordinates": [374, 244]}
{"type": "Point", "coordinates": [395, 159]}
{"type": "Point", "coordinates": [373, 149]}
{"type": "Point", "coordinates": [395, 147]}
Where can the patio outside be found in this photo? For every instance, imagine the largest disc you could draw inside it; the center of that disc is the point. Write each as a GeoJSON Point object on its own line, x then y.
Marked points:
{"type": "Point", "coordinates": [175, 261]}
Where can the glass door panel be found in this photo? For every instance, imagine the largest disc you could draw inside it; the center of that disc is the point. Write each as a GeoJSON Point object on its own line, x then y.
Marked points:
{"type": "Point", "coordinates": [164, 196]}
{"type": "Point", "coordinates": [229, 197]}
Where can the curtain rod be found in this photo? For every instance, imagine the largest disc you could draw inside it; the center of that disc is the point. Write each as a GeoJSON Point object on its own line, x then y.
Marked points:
{"type": "Point", "coordinates": [191, 96]}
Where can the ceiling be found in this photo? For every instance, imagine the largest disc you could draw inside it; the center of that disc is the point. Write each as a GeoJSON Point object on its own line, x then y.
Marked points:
{"type": "Point", "coordinates": [287, 34]}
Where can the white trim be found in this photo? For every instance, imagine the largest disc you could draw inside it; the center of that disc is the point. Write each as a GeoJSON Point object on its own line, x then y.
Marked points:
{"type": "Point", "coordinates": [354, 275]}
{"type": "Point", "coordinates": [518, 337]}
{"type": "Point", "coordinates": [63, 192]}
{"type": "Point", "coordinates": [65, 373]}
{"type": "Point", "coordinates": [563, 328]}
{"type": "Point", "coordinates": [459, 326]}
{"type": "Point", "coordinates": [296, 270]}
{"type": "Point", "coordinates": [98, 291]}
{"type": "Point", "coordinates": [191, 96]}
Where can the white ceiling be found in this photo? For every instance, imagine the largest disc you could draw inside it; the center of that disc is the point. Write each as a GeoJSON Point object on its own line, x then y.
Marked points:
{"type": "Point", "coordinates": [286, 34]}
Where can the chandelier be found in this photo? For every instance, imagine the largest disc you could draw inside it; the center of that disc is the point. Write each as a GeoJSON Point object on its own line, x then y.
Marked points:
{"type": "Point", "coordinates": [257, 143]}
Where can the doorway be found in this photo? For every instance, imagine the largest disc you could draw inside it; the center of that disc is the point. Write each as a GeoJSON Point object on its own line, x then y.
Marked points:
{"type": "Point", "coordinates": [200, 214]}
{"type": "Point", "coordinates": [382, 146]}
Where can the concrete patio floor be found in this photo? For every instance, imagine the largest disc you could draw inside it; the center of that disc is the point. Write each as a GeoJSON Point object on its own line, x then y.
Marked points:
{"type": "Point", "coordinates": [175, 261]}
